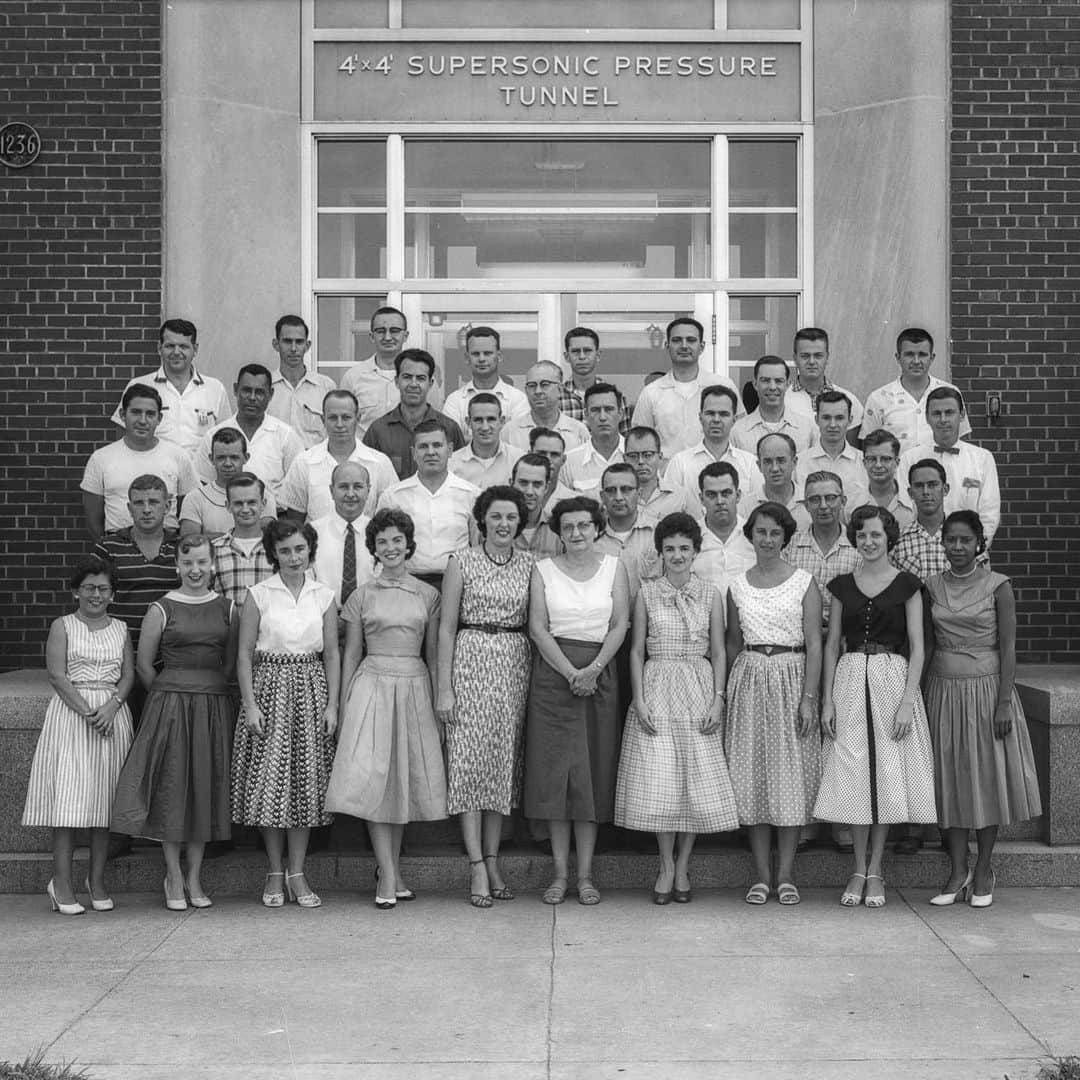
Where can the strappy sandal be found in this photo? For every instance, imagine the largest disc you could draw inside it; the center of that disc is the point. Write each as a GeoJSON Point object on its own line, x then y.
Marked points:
{"type": "Point", "coordinates": [849, 898]}
{"type": "Point", "coordinates": [787, 894]}
{"type": "Point", "coordinates": [480, 900]}
{"type": "Point", "coordinates": [504, 892]}
{"type": "Point", "coordinates": [758, 894]}
{"type": "Point", "coordinates": [555, 894]}
{"type": "Point", "coordinates": [875, 901]}
{"type": "Point", "coordinates": [587, 893]}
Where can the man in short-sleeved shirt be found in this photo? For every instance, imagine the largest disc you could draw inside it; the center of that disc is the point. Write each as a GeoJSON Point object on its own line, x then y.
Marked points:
{"type": "Point", "coordinates": [777, 460]}
{"type": "Point", "coordinates": [486, 460]}
{"type": "Point", "coordinates": [298, 391]}
{"type": "Point", "coordinates": [543, 388]}
{"type": "Point", "coordinates": [585, 464]}
{"type": "Point", "coordinates": [240, 559]}
{"type": "Point", "coordinates": [881, 457]}
{"type": "Point", "coordinates": [483, 347]}
{"type": "Point", "coordinates": [581, 351]}
{"type": "Point", "coordinates": [920, 550]}
{"type": "Point", "coordinates": [772, 417]}
{"type": "Point", "coordinates": [811, 349]}
{"type": "Point", "coordinates": [725, 551]}
{"type": "Point", "coordinates": [832, 452]}
{"type": "Point", "coordinates": [658, 495]}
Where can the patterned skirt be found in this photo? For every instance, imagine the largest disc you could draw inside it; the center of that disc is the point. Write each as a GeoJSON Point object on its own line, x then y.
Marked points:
{"type": "Point", "coordinates": [279, 778]}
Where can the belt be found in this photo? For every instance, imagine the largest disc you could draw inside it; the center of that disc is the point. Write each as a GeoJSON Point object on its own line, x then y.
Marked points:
{"type": "Point", "coordinates": [491, 628]}
{"type": "Point", "coordinates": [434, 579]}
{"type": "Point", "coordinates": [872, 648]}
{"type": "Point", "coordinates": [774, 650]}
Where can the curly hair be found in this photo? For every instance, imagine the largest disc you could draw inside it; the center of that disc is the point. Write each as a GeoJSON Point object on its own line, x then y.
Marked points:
{"type": "Point", "coordinates": [391, 517]}
{"type": "Point", "coordinates": [578, 504]}
{"type": "Point", "coordinates": [90, 565]}
{"type": "Point", "coordinates": [499, 493]}
{"type": "Point", "coordinates": [972, 521]}
{"type": "Point", "coordinates": [868, 512]}
{"type": "Point", "coordinates": [677, 524]}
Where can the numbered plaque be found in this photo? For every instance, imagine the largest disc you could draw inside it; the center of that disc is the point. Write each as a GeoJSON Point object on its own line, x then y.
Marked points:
{"type": "Point", "coordinates": [20, 145]}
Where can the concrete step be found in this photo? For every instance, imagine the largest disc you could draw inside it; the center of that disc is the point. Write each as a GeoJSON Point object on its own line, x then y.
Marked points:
{"type": "Point", "coordinates": [525, 868]}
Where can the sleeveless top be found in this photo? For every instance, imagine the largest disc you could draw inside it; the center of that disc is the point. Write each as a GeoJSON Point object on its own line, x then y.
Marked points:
{"type": "Point", "coordinates": [771, 616]}
{"type": "Point", "coordinates": [880, 620]}
{"type": "Point", "coordinates": [193, 644]}
{"type": "Point", "coordinates": [94, 657]}
{"type": "Point", "coordinates": [494, 595]}
{"type": "Point", "coordinates": [679, 619]}
{"type": "Point", "coordinates": [965, 615]}
{"type": "Point", "coordinates": [579, 610]}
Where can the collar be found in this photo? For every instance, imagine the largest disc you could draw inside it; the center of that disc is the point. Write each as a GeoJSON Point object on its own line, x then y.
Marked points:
{"type": "Point", "coordinates": [805, 538]}
{"type": "Point", "coordinates": [708, 536]}
{"type": "Point", "coordinates": [590, 450]}
{"type": "Point", "coordinates": [848, 453]}
{"type": "Point", "coordinates": [275, 582]}
{"type": "Point", "coordinates": [321, 452]}
{"type": "Point", "coordinates": [466, 453]}
{"type": "Point", "coordinates": [798, 386]}
{"type": "Point", "coordinates": [396, 416]}
{"type": "Point", "coordinates": [160, 376]}
{"type": "Point", "coordinates": [227, 540]}
{"type": "Point", "coordinates": [279, 377]}
{"type": "Point", "coordinates": [407, 584]}
{"type": "Point", "coordinates": [451, 481]}
{"type": "Point", "coordinates": [756, 418]}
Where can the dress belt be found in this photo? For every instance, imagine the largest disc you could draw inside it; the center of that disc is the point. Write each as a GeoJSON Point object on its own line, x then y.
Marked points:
{"type": "Point", "coordinates": [873, 648]}
{"type": "Point", "coordinates": [491, 628]}
{"type": "Point", "coordinates": [773, 650]}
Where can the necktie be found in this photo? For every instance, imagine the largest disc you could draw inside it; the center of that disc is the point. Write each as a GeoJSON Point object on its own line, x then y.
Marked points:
{"type": "Point", "coordinates": [946, 449]}
{"type": "Point", "coordinates": [348, 570]}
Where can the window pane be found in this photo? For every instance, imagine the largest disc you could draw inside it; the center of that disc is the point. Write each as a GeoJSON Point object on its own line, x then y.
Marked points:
{"type": "Point", "coordinates": [443, 335]}
{"type": "Point", "coordinates": [763, 245]}
{"type": "Point", "coordinates": [763, 173]}
{"type": "Point", "coordinates": [763, 14]}
{"type": "Point", "coordinates": [351, 13]}
{"type": "Point", "coordinates": [352, 173]}
{"type": "Point", "coordinates": [352, 245]}
{"type": "Point", "coordinates": [487, 245]}
{"type": "Point", "coordinates": [590, 14]}
{"type": "Point", "coordinates": [759, 326]}
{"type": "Point", "coordinates": [342, 327]}
{"type": "Point", "coordinates": [534, 172]}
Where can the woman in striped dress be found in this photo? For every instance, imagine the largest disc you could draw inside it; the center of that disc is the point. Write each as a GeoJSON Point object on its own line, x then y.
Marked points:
{"type": "Point", "coordinates": [86, 734]}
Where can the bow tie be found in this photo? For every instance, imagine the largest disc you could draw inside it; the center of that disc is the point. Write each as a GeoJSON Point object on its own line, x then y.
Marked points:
{"type": "Point", "coordinates": [946, 449]}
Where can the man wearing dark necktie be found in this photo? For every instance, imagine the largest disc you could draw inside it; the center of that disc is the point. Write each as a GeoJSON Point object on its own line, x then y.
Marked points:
{"type": "Point", "coordinates": [341, 557]}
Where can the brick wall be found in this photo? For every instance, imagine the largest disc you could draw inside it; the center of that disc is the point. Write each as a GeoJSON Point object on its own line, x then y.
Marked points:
{"type": "Point", "coordinates": [1015, 178]}
{"type": "Point", "coordinates": [80, 298]}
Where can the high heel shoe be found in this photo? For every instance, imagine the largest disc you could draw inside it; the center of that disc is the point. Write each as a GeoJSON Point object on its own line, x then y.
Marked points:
{"type": "Point", "coordinates": [503, 893]}
{"type": "Point", "coordinates": [947, 899]}
{"type": "Point", "coordinates": [64, 909]}
{"type": "Point", "coordinates": [480, 900]}
{"type": "Point", "coordinates": [99, 905]}
{"type": "Point", "coordinates": [274, 899]}
{"type": "Point", "coordinates": [309, 899]}
{"type": "Point", "coordinates": [170, 903]}
{"type": "Point", "coordinates": [849, 897]}
{"type": "Point", "coordinates": [201, 901]}
{"type": "Point", "coordinates": [984, 899]}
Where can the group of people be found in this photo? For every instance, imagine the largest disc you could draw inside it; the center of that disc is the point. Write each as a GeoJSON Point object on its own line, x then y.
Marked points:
{"type": "Point", "coordinates": [685, 616]}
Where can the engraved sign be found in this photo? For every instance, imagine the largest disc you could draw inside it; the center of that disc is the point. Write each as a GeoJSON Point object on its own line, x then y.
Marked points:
{"type": "Point", "coordinates": [20, 145]}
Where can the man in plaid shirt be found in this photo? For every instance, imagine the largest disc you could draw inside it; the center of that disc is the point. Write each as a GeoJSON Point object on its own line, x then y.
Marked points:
{"type": "Point", "coordinates": [582, 352]}
{"type": "Point", "coordinates": [239, 557]}
{"type": "Point", "coordinates": [919, 550]}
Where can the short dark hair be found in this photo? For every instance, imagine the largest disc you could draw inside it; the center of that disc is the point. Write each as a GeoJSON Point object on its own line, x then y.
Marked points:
{"type": "Point", "coordinates": [972, 520]}
{"type": "Point", "coordinates": [778, 435]}
{"type": "Point", "coordinates": [417, 356]}
{"type": "Point", "coordinates": [290, 320]}
{"type": "Point", "coordinates": [580, 331]}
{"type": "Point", "coordinates": [227, 436]}
{"type": "Point", "coordinates": [88, 566]}
{"type": "Point", "coordinates": [823, 476]}
{"type": "Point", "coordinates": [678, 524]}
{"type": "Point", "coordinates": [640, 431]}
{"type": "Point", "coordinates": [598, 388]}
{"type": "Point", "coordinates": [258, 371]}
{"type": "Point", "coordinates": [149, 482]}
{"type": "Point", "coordinates": [544, 433]}
{"type": "Point", "coordinates": [719, 388]}
{"type": "Point", "coordinates": [429, 427]}
{"type": "Point", "coordinates": [243, 479]}
{"type": "Point", "coordinates": [535, 461]}
{"type": "Point", "coordinates": [928, 463]}
{"type": "Point", "coordinates": [499, 493]}
{"type": "Point", "coordinates": [914, 334]}
{"type": "Point", "coordinates": [620, 468]}
{"type": "Point", "coordinates": [338, 392]}
{"type": "Point", "coordinates": [944, 393]}
{"type": "Point", "coordinates": [576, 504]}
{"type": "Point", "coordinates": [482, 331]}
{"type": "Point", "coordinates": [809, 333]}
{"type": "Point", "coordinates": [762, 361]}
{"type": "Point", "coordinates": [779, 513]}
{"type": "Point", "coordinates": [868, 512]}
{"type": "Point", "coordinates": [716, 469]}
{"type": "Point", "coordinates": [281, 529]}
{"type": "Point", "coordinates": [832, 397]}
{"type": "Point", "coordinates": [391, 517]}
{"type": "Point", "coordinates": [484, 398]}
{"type": "Point", "coordinates": [137, 390]}
{"type": "Point", "coordinates": [386, 310]}
{"type": "Point", "coordinates": [689, 320]}
{"type": "Point", "coordinates": [178, 326]}
{"type": "Point", "coordinates": [879, 437]}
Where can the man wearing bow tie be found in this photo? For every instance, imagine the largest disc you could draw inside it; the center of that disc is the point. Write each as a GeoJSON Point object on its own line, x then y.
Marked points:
{"type": "Point", "coordinates": [970, 470]}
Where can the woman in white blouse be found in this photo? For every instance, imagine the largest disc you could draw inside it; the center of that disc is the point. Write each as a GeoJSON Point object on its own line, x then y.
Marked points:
{"type": "Point", "coordinates": [288, 671]}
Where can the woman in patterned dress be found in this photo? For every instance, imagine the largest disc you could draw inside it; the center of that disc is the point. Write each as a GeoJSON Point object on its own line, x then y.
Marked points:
{"type": "Point", "coordinates": [673, 777]}
{"type": "Point", "coordinates": [174, 786]}
{"type": "Point", "coordinates": [388, 768]}
{"type": "Point", "coordinates": [983, 763]}
{"type": "Point", "coordinates": [86, 734]}
{"type": "Point", "coordinates": [287, 667]}
{"type": "Point", "coordinates": [772, 739]}
{"type": "Point", "coordinates": [483, 678]}
{"type": "Point", "coordinates": [878, 767]}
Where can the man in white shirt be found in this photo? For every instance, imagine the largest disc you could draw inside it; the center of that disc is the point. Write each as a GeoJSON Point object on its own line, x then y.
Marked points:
{"type": "Point", "coordinates": [671, 403]}
{"type": "Point", "coordinates": [772, 417]}
{"type": "Point", "coordinates": [971, 470]}
{"type": "Point", "coordinates": [305, 491]}
{"type": "Point", "coordinates": [341, 563]}
{"type": "Point", "coordinates": [272, 446]}
{"type": "Point", "coordinates": [900, 406]}
{"type": "Point", "coordinates": [298, 391]}
{"type": "Point", "coordinates": [777, 459]}
{"type": "Point", "coordinates": [483, 347]}
{"type": "Point", "coordinates": [206, 509]}
{"type": "Point", "coordinates": [658, 495]}
{"type": "Point", "coordinates": [725, 551]}
{"type": "Point", "coordinates": [530, 476]}
{"type": "Point", "coordinates": [585, 464]}
{"type": "Point", "coordinates": [719, 407]}
{"type": "Point", "coordinates": [439, 503]}
{"type": "Point", "coordinates": [192, 403]}
{"type": "Point", "coordinates": [486, 460]}
{"type": "Point", "coordinates": [543, 384]}
{"type": "Point", "coordinates": [832, 452]}
{"type": "Point", "coordinates": [811, 349]}
{"type": "Point", "coordinates": [627, 533]}
{"type": "Point", "coordinates": [111, 469]}
{"type": "Point", "coordinates": [881, 457]}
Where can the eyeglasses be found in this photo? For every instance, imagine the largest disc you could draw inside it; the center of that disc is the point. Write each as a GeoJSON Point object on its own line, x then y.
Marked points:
{"type": "Point", "coordinates": [826, 500]}
{"type": "Point", "coordinates": [389, 331]}
{"type": "Point", "coordinates": [95, 590]}
{"type": "Point", "coordinates": [642, 455]}
{"type": "Point", "coordinates": [573, 527]}
{"type": "Point", "coordinates": [544, 384]}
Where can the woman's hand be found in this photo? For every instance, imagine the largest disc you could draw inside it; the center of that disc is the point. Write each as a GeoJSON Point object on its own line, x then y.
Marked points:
{"type": "Point", "coordinates": [583, 681]}
{"type": "Point", "coordinates": [253, 719]}
{"type": "Point", "coordinates": [444, 707]}
{"type": "Point", "coordinates": [713, 721]}
{"type": "Point", "coordinates": [330, 719]}
{"type": "Point", "coordinates": [807, 716]}
{"type": "Point", "coordinates": [905, 717]}
{"type": "Point", "coordinates": [641, 711]}
{"type": "Point", "coordinates": [101, 719]}
{"type": "Point", "coordinates": [828, 719]}
{"type": "Point", "coordinates": [1003, 720]}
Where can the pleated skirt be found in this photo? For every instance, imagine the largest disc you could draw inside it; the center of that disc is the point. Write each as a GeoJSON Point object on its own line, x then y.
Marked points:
{"type": "Point", "coordinates": [389, 763]}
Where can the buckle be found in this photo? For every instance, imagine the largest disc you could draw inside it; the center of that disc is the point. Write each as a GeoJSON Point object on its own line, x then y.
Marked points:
{"type": "Point", "coordinates": [768, 650]}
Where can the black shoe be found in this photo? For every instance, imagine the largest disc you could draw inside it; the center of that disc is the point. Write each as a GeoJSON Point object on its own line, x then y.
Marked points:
{"type": "Point", "coordinates": [908, 845]}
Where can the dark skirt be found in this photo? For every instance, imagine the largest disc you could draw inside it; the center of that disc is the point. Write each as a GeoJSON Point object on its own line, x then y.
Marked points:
{"type": "Point", "coordinates": [571, 743]}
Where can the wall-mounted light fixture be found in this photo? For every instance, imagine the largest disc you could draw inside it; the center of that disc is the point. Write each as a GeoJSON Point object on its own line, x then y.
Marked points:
{"type": "Point", "coordinates": [656, 335]}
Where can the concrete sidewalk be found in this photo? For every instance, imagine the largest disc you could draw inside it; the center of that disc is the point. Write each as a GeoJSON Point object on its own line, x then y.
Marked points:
{"type": "Point", "coordinates": [436, 989]}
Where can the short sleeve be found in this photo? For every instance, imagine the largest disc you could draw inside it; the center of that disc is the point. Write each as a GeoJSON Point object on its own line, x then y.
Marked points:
{"type": "Point", "coordinates": [839, 586]}
{"type": "Point", "coordinates": [192, 509]}
{"type": "Point", "coordinates": [434, 604]}
{"type": "Point", "coordinates": [907, 584]}
{"type": "Point", "coordinates": [93, 479]}
{"type": "Point", "coordinates": [352, 612]}
{"type": "Point", "coordinates": [258, 596]}
{"type": "Point", "coordinates": [186, 480]}
{"type": "Point", "coordinates": [327, 599]}
{"type": "Point", "coordinates": [294, 487]}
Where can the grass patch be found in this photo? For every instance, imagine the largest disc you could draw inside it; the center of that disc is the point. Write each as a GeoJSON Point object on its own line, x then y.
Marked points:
{"type": "Point", "coordinates": [35, 1068]}
{"type": "Point", "coordinates": [1065, 1068]}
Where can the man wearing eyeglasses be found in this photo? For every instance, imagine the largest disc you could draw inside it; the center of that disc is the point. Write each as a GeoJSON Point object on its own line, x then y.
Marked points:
{"type": "Point", "coordinates": [543, 385]}
{"type": "Point", "coordinates": [658, 496]}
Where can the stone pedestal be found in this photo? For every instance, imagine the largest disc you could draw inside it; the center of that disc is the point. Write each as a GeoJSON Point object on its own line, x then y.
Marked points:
{"type": "Point", "coordinates": [23, 697]}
